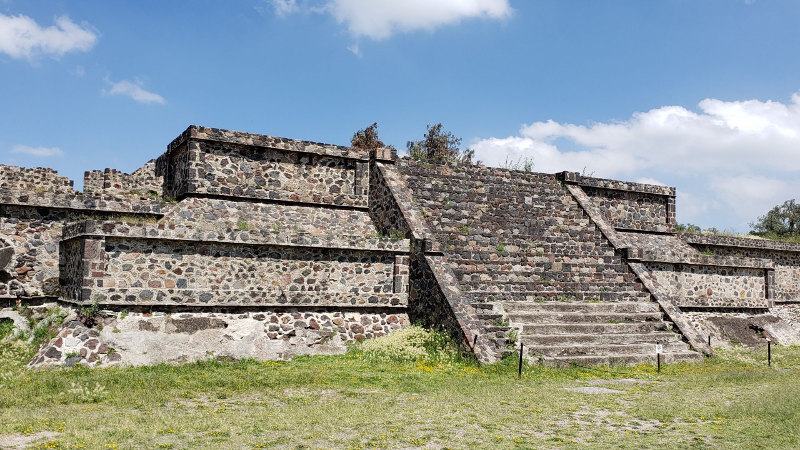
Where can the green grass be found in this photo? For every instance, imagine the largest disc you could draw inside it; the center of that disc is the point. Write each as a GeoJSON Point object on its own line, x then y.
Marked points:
{"type": "Point", "coordinates": [357, 400]}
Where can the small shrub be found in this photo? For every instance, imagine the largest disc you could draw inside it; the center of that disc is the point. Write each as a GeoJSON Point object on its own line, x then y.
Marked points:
{"type": "Point", "coordinates": [411, 344]}
{"type": "Point", "coordinates": [242, 225]}
{"type": "Point", "coordinates": [84, 393]}
{"type": "Point", "coordinates": [513, 335]}
{"type": "Point", "coordinates": [87, 314]}
{"type": "Point", "coordinates": [500, 322]}
{"type": "Point", "coordinates": [522, 164]}
{"type": "Point", "coordinates": [501, 248]}
{"type": "Point", "coordinates": [6, 328]}
{"type": "Point", "coordinates": [439, 147]}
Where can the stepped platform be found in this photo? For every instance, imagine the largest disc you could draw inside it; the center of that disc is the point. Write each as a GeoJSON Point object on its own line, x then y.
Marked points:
{"type": "Point", "coordinates": [529, 257]}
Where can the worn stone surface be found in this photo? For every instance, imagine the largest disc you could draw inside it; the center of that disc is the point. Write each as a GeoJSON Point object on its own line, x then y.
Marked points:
{"type": "Point", "coordinates": [741, 328]}
{"type": "Point", "coordinates": [75, 344]}
{"type": "Point", "coordinates": [143, 339]}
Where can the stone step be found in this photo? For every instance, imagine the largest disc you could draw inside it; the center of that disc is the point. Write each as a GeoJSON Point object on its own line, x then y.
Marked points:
{"type": "Point", "coordinates": [483, 223]}
{"type": "Point", "coordinates": [587, 287]}
{"type": "Point", "coordinates": [527, 257]}
{"type": "Point", "coordinates": [596, 328]}
{"type": "Point", "coordinates": [427, 180]}
{"type": "Point", "coordinates": [560, 317]}
{"type": "Point", "coordinates": [592, 339]}
{"type": "Point", "coordinates": [528, 234]}
{"type": "Point", "coordinates": [455, 189]}
{"type": "Point", "coordinates": [583, 307]}
{"type": "Point", "coordinates": [534, 262]}
{"type": "Point", "coordinates": [445, 205]}
{"type": "Point", "coordinates": [521, 276]}
{"type": "Point", "coordinates": [640, 348]}
{"type": "Point", "coordinates": [579, 248]}
{"type": "Point", "coordinates": [605, 360]}
{"type": "Point", "coordinates": [560, 296]}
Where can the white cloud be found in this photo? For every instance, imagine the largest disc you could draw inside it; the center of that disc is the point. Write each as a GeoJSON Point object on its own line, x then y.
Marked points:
{"type": "Point", "coordinates": [135, 91]}
{"type": "Point", "coordinates": [379, 19]}
{"type": "Point", "coordinates": [742, 157]}
{"type": "Point", "coordinates": [648, 180]}
{"type": "Point", "coordinates": [752, 195]}
{"type": "Point", "coordinates": [737, 136]}
{"type": "Point", "coordinates": [21, 37]}
{"type": "Point", "coordinates": [355, 49]}
{"type": "Point", "coordinates": [37, 151]}
{"type": "Point", "coordinates": [284, 7]}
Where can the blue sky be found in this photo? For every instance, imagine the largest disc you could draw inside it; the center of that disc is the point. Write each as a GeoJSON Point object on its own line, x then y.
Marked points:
{"type": "Point", "coordinates": [703, 95]}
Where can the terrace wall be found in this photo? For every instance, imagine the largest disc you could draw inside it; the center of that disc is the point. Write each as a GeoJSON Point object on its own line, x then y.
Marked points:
{"type": "Point", "coordinates": [115, 182]}
{"type": "Point", "coordinates": [630, 206]}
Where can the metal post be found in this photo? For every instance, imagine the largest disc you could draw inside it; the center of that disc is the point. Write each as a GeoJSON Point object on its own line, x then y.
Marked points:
{"type": "Point", "coordinates": [658, 356]}
{"type": "Point", "coordinates": [769, 352]}
{"type": "Point", "coordinates": [709, 340]}
{"type": "Point", "coordinates": [519, 372]}
{"type": "Point", "coordinates": [474, 341]}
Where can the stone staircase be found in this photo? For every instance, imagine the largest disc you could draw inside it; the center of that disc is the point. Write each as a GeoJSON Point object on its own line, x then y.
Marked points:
{"type": "Point", "coordinates": [530, 258]}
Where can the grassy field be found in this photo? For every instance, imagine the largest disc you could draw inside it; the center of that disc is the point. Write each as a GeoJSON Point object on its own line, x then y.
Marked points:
{"type": "Point", "coordinates": [360, 400]}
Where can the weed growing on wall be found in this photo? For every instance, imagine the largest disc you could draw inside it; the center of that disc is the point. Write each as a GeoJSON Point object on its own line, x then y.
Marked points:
{"type": "Point", "coordinates": [6, 328]}
{"type": "Point", "coordinates": [43, 329]}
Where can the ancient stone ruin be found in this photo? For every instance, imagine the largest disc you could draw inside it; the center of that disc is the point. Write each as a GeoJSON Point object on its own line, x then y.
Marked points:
{"type": "Point", "coordinates": [240, 245]}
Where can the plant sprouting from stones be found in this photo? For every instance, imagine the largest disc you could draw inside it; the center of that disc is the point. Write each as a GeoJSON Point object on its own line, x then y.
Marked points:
{"type": "Point", "coordinates": [88, 314]}
{"type": "Point", "coordinates": [367, 139]}
{"type": "Point", "coordinates": [439, 147]}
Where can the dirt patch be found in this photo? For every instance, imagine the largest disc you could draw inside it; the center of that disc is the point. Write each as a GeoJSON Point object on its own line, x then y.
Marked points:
{"type": "Point", "coordinates": [24, 440]}
{"type": "Point", "coordinates": [621, 381]}
{"type": "Point", "coordinates": [594, 390]}
{"type": "Point", "coordinates": [748, 331]}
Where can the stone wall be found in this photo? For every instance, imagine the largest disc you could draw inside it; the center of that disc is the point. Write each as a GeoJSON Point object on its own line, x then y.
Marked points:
{"type": "Point", "coordinates": [630, 206]}
{"type": "Point", "coordinates": [143, 265]}
{"type": "Point", "coordinates": [34, 180]}
{"type": "Point", "coordinates": [207, 161]}
{"type": "Point", "coordinates": [784, 257]}
{"type": "Point", "coordinates": [115, 182]}
{"type": "Point", "coordinates": [712, 286]}
{"type": "Point", "coordinates": [32, 227]}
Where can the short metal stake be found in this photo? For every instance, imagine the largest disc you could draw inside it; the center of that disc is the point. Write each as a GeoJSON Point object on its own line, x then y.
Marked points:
{"type": "Point", "coordinates": [658, 357]}
{"type": "Point", "coordinates": [709, 340]}
{"type": "Point", "coordinates": [474, 341]}
{"type": "Point", "coordinates": [769, 352]}
{"type": "Point", "coordinates": [519, 371]}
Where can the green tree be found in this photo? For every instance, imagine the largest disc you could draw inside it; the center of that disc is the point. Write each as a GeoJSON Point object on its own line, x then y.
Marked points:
{"type": "Point", "coordinates": [367, 139]}
{"type": "Point", "coordinates": [439, 147]}
{"type": "Point", "coordinates": [781, 221]}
